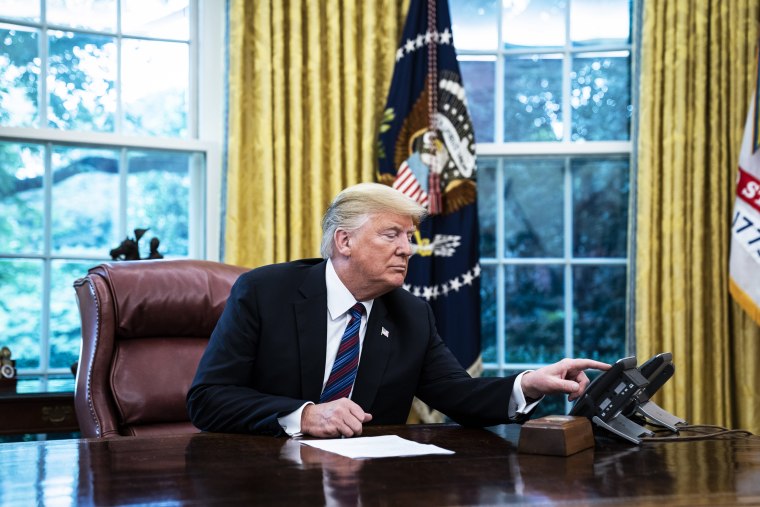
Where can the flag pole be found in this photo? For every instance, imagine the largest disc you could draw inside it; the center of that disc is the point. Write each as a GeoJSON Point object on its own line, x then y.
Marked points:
{"type": "Point", "coordinates": [434, 178]}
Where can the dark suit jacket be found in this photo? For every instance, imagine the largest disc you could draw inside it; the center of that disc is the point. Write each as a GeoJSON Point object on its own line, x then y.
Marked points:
{"type": "Point", "coordinates": [266, 358]}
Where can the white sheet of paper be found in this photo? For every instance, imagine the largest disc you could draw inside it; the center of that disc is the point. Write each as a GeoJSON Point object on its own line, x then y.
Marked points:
{"type": "Point", "coordinates": [385, 446]}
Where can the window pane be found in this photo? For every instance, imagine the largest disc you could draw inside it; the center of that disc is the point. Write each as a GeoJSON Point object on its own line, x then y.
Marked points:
{"type": "Point", "coordinates": [533, 23]}
{"type": "Point", "coordinates": [167, 19]}
{"type": "Point", "coordinates": [158, 198]}
{"type": "Point", "coordinates": [488, 313]}
{"type": "Point", "coordinates": [533, 314]}
{"type": "Point", "coordinates": [21, 198]}
{"type": "Point", "coordinates": [83, 175]}
{"type": "Point", "coordinates": [487, 206]}
{"type": "Point", "coordinates": [65, 326]}
{"type": "Point", "coordinates": [533, 204]}
{"type": "Point", "coordinates": [601, 96]}
{"type": "Point", "coordinates": [478, 79]}
{"type": "Point", "coordinates": [65, 204]}
{"type": "Point", "coordinates": [29, 385]}
{"type": "Point", "coordinates": [21, 310]}
{"type": "Point", "coordinates": [54, 384]}
{"type": "Point", "coordinates": [24, 10]}
{"type": "Point", "coordinates": [155, 106]}
{"type": "Point", "coordinates": [61, 385]}
{"type": "Point", "coordinates": [19, 61]}
{"type": "Point", "coordinates": [550, 405]}
{"type": "Point", "coordinates": [600, 207]}
{"type": "Point", "coordinates": [473, 23]}
{"type": "Point", "coordinates": [533, 98]}
{"type": "Point", "coordinates": [600, 22]}
{"type": "Point", "coordinates": [82, 72]}
{"type": "Point", "coordinates": [91, 14]}
{"type": "Point", "coordinates": [599, 326]}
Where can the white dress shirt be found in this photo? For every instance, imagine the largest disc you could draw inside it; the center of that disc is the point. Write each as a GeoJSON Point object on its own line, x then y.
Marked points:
{"type": "Point", "coordinates": [339, 302]}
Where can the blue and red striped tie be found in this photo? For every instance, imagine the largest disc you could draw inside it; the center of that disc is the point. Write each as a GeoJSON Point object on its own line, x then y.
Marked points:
{"type": "Point", "coordinates": [346, 363]}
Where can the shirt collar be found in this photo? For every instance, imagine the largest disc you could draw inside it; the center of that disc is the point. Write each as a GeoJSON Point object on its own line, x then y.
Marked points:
{"type": "Point", "coordinates": [339, 298]}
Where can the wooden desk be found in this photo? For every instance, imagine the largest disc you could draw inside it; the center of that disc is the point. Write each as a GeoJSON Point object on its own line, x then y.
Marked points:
{"type": "Point", "coordinates": [217, 469]}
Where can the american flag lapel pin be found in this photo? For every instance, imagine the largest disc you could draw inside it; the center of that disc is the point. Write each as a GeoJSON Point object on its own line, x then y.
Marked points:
{"type": "Point", "coordinates": [384, 332]}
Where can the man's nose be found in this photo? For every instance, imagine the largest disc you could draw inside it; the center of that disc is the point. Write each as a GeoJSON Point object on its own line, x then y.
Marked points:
{"type": "Point", "coordinates": [405, 248]}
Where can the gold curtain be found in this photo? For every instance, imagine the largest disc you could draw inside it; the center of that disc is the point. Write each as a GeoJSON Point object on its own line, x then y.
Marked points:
{"type": "Point", "coordinates": [697, 76]}
{"type": "Point", "coordinates": [307, 83]}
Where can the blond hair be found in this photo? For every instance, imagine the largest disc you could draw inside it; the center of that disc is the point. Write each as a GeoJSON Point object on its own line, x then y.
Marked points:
{"type": "Point", "coordinates": [352, 207]}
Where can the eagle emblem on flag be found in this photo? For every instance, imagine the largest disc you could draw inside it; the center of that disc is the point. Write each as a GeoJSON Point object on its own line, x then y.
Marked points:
{"type": "Point", "coordinates": [442, 156]}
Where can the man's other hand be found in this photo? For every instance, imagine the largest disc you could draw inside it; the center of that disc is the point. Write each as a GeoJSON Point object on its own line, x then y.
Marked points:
{"type": "Point", "coordinates": [341, 417]}
{"type": "Point", "coordinates": [565, 377]}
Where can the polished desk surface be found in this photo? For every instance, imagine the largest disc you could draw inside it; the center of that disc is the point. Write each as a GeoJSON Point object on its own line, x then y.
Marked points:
{"type": "Point", "coordinates": [486, 469]}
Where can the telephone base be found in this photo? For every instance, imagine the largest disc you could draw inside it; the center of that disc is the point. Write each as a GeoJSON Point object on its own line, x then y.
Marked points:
{"type": "Point", "coordinates": [650, 410]}
{"type": "Point", "coordinates": [623, 427]}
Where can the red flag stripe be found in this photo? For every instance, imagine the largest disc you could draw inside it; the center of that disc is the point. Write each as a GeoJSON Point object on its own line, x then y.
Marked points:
{"type": "Point", "coordinates": [408, 185]}
{"type": "Point", "coordinates": [748, 189]}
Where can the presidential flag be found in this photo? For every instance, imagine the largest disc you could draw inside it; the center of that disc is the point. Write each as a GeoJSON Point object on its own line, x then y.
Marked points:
{"type": "Point", "coordinates": [427, 151]}
{"type": "Point", "coordinates": [744, 264]}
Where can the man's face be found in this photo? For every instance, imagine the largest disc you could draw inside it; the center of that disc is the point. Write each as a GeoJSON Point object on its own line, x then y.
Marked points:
{"type": "Point", "coordinates": [380, 251]}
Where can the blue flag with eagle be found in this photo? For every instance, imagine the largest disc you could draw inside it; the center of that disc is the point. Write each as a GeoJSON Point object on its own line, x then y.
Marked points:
{"type": "Point", "coordinates": [427, 151]}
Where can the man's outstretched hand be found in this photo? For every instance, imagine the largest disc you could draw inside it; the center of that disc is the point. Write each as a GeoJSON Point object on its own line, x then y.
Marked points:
{"type": "Point", "coordinates": [565, 377]}
{"type": "Point", "coordinates": [336, 418]}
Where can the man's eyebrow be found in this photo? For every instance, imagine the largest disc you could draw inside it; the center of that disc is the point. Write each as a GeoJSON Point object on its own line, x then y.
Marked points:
{"type": "Point", "coordinates": [398, 228]}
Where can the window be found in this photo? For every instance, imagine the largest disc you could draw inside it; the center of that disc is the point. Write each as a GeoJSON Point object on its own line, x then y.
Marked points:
{"type": "Point", "coordinates": [549, 88]}
{"type": "Point", "coordinates": [101, 103]}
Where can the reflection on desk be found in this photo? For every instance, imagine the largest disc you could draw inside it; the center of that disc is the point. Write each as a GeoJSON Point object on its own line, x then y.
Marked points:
{"type": "Point", "coordinates": [208, 469]}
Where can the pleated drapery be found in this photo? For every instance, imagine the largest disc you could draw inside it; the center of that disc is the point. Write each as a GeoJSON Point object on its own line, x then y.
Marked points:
{"type": "Point", "coordinates": [697, 76]}
{"type": "Point", "coordinates": [307, 84]}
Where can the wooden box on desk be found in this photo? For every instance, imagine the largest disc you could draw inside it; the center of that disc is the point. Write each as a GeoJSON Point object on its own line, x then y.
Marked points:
{"type": "Point", "coordinates": [556, 435]}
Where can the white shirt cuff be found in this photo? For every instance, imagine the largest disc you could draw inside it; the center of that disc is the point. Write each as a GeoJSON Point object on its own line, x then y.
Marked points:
{"type": "Point", "coordinates": [291, 423]}
{"type": "Point", "coordinates": [517, 402]}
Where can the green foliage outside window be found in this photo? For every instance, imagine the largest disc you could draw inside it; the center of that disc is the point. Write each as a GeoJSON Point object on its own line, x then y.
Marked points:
{"type": "Point", "coordinates": [60, 204]}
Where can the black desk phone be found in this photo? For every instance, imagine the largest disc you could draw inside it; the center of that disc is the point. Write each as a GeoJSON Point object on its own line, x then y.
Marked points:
{"type": "Point", "coordinates": [657, 371]}
{"type": "Point", "coordinates": [608, 394]}
{"type": "Point", "coordinates": [618, 401]}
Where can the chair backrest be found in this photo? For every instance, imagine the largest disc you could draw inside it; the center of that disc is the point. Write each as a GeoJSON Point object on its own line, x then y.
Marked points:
{"type": "Point", "coordinates": [145, 325]}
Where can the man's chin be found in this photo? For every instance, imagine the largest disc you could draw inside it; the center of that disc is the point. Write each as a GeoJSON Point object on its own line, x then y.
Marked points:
{"type": "Point", "coordinates": [394, 281]}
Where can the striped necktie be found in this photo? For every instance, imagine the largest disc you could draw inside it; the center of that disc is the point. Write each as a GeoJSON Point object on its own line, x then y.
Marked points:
{"type": "Point", "coordinates": [346, 363]}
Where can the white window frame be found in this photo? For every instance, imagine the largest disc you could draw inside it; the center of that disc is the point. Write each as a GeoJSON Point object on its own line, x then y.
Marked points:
{"type": "Point", "coordinates": [499, 149]}
{"type": "Point", "coordinates": [206, 127]}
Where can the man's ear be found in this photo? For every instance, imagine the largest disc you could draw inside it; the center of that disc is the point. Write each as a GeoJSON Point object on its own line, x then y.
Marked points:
{"type": "Point", "coordinates": [342, 240]}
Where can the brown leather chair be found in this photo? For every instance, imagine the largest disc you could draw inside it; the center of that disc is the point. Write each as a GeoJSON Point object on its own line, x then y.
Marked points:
{"type": "Point", "coordinates": [145, 325]}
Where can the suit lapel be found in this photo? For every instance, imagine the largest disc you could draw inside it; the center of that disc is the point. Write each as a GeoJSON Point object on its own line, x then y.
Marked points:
{"type": "Point", "coordinates": [311, 322]}
{"type": "Point", "coordinates": [375, 353]}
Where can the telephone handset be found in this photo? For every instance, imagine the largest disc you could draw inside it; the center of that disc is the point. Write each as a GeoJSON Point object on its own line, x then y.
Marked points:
{"type": "Point", "coordinates": [609, 394]}
{"type": "Point", "coordinates": [657, 371]}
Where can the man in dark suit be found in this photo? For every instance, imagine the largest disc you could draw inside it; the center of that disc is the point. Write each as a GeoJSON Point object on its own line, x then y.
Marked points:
{"type": "Point", "coordinates": [283, 357]}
